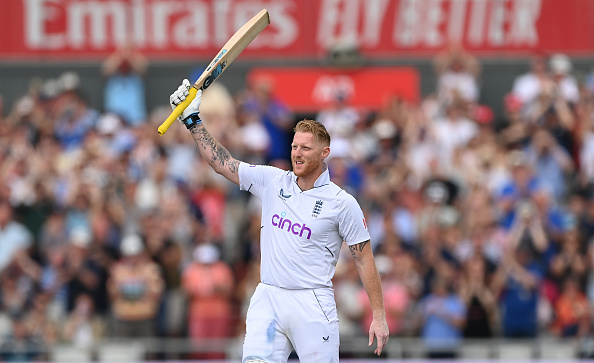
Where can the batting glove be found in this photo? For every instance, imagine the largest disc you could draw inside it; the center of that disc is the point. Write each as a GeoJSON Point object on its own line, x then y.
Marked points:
{"type": "Point", "coordinates": [190, 116]}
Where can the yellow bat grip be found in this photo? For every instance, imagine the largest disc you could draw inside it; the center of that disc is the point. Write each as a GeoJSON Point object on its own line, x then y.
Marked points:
{"type": "Point", "coordinates": [178, 111]}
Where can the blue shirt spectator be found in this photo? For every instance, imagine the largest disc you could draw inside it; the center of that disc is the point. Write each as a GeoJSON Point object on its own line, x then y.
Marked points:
{"type": "Point", "coordinates": [520, 296]}
{"type": "Point", "coordinates": [124, 89]}
{"type": "Point", "coordinates": [124, 96]}
{"type": "Point", "coordinates": [443, 316]}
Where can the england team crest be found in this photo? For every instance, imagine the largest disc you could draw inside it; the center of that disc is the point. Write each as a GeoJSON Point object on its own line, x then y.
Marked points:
{"type": "Point", "coordinates": [317, 209]}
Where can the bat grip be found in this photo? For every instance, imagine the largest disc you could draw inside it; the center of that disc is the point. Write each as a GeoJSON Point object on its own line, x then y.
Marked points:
{"type": "Point", "coordinates": [177, 112]}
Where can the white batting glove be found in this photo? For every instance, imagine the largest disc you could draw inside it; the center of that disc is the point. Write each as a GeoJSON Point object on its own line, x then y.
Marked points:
{"type": "Point", "coordinates": [189, 116]}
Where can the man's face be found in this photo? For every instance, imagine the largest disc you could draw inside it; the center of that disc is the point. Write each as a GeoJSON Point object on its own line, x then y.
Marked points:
{"type": "Point", "coordinates": [306, 154]}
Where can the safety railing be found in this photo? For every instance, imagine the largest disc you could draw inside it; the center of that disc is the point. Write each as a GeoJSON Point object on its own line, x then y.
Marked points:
{"type": "Point", "coordinates": [158, 349]}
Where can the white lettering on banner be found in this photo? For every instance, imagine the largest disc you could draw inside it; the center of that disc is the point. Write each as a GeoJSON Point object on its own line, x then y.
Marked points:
{"type": "Point", "coordinates": [431, 23]}
{"type": "Point", "coordinates": [37, 12]}
{"type": "Point", "coordinates": [221, 14]}
{"type": "Point", "coordinates": [374, 12]}
{"type": "Point", "coordinates": [326, 88]}
{"type": "Point", "coordinates": [196, 24]}
{"type": "Point", "coordinates": [408, 23]}
{"type": "Point", "coordinates": [477, 23]}
{"type": "Point", "coordinates": [523, 26]}
{"type": "Point", "coordinates": [98, 18]}
{"type": "Point", "coordinates": [287, 27]}
{"type": "Point", "coordinates": [160, 24]}
{"type": "Point", "coordinates": [139, 23]}
{"type": "Point", "coordinates": [457, 20]}
{"type": "Point", "coordinates": [432, 32]}
{"type": "Point", "coordinates": [496, 22]}
{"type": "Point", "coordinates": [339, 22]}
{"type": "Point", "coordinates": [327, 22]}
{"type": "Point", "coordinates": [191, 31]}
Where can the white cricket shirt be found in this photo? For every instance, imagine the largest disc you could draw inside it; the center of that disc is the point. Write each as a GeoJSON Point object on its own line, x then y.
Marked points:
{"type": "Point", "coordinates": [302, 231]}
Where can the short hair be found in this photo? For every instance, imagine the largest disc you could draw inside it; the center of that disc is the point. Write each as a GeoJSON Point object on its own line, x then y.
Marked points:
{"type": "Point", "coordinates": [315, 128]}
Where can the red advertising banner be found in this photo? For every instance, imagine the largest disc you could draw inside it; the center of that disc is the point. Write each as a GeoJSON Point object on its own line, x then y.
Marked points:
{"type": "Point", "coordinates": [307, 89]}
{"type": "Point", "coordinates": [186, 29]}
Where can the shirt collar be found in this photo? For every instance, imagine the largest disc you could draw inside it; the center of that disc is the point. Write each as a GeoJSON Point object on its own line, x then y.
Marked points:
{"type": "Point", "coordinates": [322, 180]}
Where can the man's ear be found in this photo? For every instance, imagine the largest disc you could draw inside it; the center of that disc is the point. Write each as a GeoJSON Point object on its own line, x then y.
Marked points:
{"type": "Point", "coordinates": [325, 152]}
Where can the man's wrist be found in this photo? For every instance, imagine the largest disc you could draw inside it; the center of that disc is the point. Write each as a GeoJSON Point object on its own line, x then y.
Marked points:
{"type": "Point", "coordinates": [192, 121]}
{"type": "Point", "coordinates": [379, 314]}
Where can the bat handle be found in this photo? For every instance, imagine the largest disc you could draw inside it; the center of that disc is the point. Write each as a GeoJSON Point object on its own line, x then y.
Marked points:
{"type": "Point", "coordinates": [178, 111]}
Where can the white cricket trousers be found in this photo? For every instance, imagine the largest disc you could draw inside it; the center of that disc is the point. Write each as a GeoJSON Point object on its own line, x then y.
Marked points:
{"type": "Point", "coordinates": [279, 320]}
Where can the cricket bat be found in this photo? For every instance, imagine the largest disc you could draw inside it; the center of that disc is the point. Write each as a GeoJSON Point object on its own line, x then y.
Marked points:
{"type": "Point", "coordinates": [234, 46]}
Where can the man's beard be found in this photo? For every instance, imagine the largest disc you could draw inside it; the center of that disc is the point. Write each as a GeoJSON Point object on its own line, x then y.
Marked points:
{"type": "Point", "coordinates": [306, 168]}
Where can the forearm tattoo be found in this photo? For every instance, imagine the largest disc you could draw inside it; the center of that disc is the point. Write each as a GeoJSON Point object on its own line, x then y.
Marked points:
{"type": "Point", "coordinates": [357, 248]}
{"type": "Point", "coordinates": [215, 154]}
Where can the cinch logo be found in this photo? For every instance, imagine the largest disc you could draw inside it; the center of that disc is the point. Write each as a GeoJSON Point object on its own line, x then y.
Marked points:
{"type": "Point", "coordinates": [295, 228]}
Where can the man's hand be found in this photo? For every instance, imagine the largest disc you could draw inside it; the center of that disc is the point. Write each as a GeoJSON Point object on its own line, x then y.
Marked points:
{"type": "Point", "coordinates": [193, 109]}
{"type": "Point", "coordinates": [379, 329]}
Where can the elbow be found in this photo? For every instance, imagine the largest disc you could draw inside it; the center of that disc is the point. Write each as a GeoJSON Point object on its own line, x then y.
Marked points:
{"type": "Point", "coordinates": [220, 170]}
{"type": "Point", "coordinates": [216, 167]}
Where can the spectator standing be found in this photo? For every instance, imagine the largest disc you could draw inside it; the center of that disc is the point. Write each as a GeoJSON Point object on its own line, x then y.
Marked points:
{"type": "Point", "coordinates": [83, 328]}
{"type": "Point", "coordinates": [453, 131]}
{"type": "Point", "coordinates": [570, 260]}
{"type": "Point", "coordinates": [124, 88]}
{"type": "Point", "coordinates": [16, 241]}
{"type": "Point", "coordinates": [565, 84]}
{"type": "Point", "coordinates": [339, 118]}
{"type": "Point", "coordinates": [53, 281]}
{"type": "Point", "coordinates": [396, 298]}
{"type": "Point", "coordinates": [479, 299]}
{"type": "Point", "coordinates": [521, 186]}
{"type": "Point", "coordinates": [209, 283]}
{"type": "Point", "coordinates": [528, 86]}
{"type": "Point", "coordinates": [20, 345]}
{"type": "Point", "coordinates": [552, 163]}
{"type": "Point", "coordinates": [572, 311]}
{"type": "Point", "coordinates": [274, 115]}
{"type": "Point", "coordinates": [519, 279]}
{"type": "Point", "coordinates": [135, 289]}
{"type": "Point", "coordinates": [347, 288]}
{"type": "Point", "coordinates": [443, 314]}
{"type": "Point", "coordinates": [38, 322]}
{"type": "Point", "coordinates": [75, 120]}
{"type": "Point", "coordinates": [457, 72]}
{"type": "Point", "coordinates": [83, 275]}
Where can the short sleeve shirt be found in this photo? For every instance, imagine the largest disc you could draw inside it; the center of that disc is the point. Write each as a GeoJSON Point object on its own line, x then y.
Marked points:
{"type": "Point", "coordinates": [301, 231]}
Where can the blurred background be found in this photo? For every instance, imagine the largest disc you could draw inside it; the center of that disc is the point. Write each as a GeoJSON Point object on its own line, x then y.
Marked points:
{"type": "Point", "coordinates": [464, 128]}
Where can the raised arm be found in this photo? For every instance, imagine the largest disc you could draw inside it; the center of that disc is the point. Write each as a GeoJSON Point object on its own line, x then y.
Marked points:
{"type": "Point", "coordinates": [215, 154]}
{"type": "Point", "coordinates": [371, 281]}
{"type": "Point", "coordinates": [210, 149]}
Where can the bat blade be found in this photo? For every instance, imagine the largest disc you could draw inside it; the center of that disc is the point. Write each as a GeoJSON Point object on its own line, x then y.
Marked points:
{"type": "Point", "coordinates": [230, 51]}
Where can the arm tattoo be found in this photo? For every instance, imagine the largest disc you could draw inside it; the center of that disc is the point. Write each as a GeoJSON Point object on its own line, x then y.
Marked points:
{"type": "Point", "coordinates": [357, 248]}
{"type": "Point", "coordinates": [216, 154]}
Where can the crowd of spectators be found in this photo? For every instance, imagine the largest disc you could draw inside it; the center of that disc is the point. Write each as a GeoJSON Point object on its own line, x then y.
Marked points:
{"type": "Point", "coordinates": [481, 227]}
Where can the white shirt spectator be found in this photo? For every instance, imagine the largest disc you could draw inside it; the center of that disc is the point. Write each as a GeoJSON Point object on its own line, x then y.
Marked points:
{"type": "Point", "coordinates": [527, 87]}
{"type": "Point", "coordinates": [461, 83]}
{"type": "Point", "coordinates": [452, 133]}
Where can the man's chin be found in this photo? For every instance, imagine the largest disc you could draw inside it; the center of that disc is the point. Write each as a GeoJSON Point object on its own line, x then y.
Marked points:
{"type": "Point", "coordinates": [298, 171]}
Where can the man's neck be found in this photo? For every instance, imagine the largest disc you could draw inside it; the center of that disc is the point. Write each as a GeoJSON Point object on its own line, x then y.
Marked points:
{"type": "Point", "coordinates": [308, 182]}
